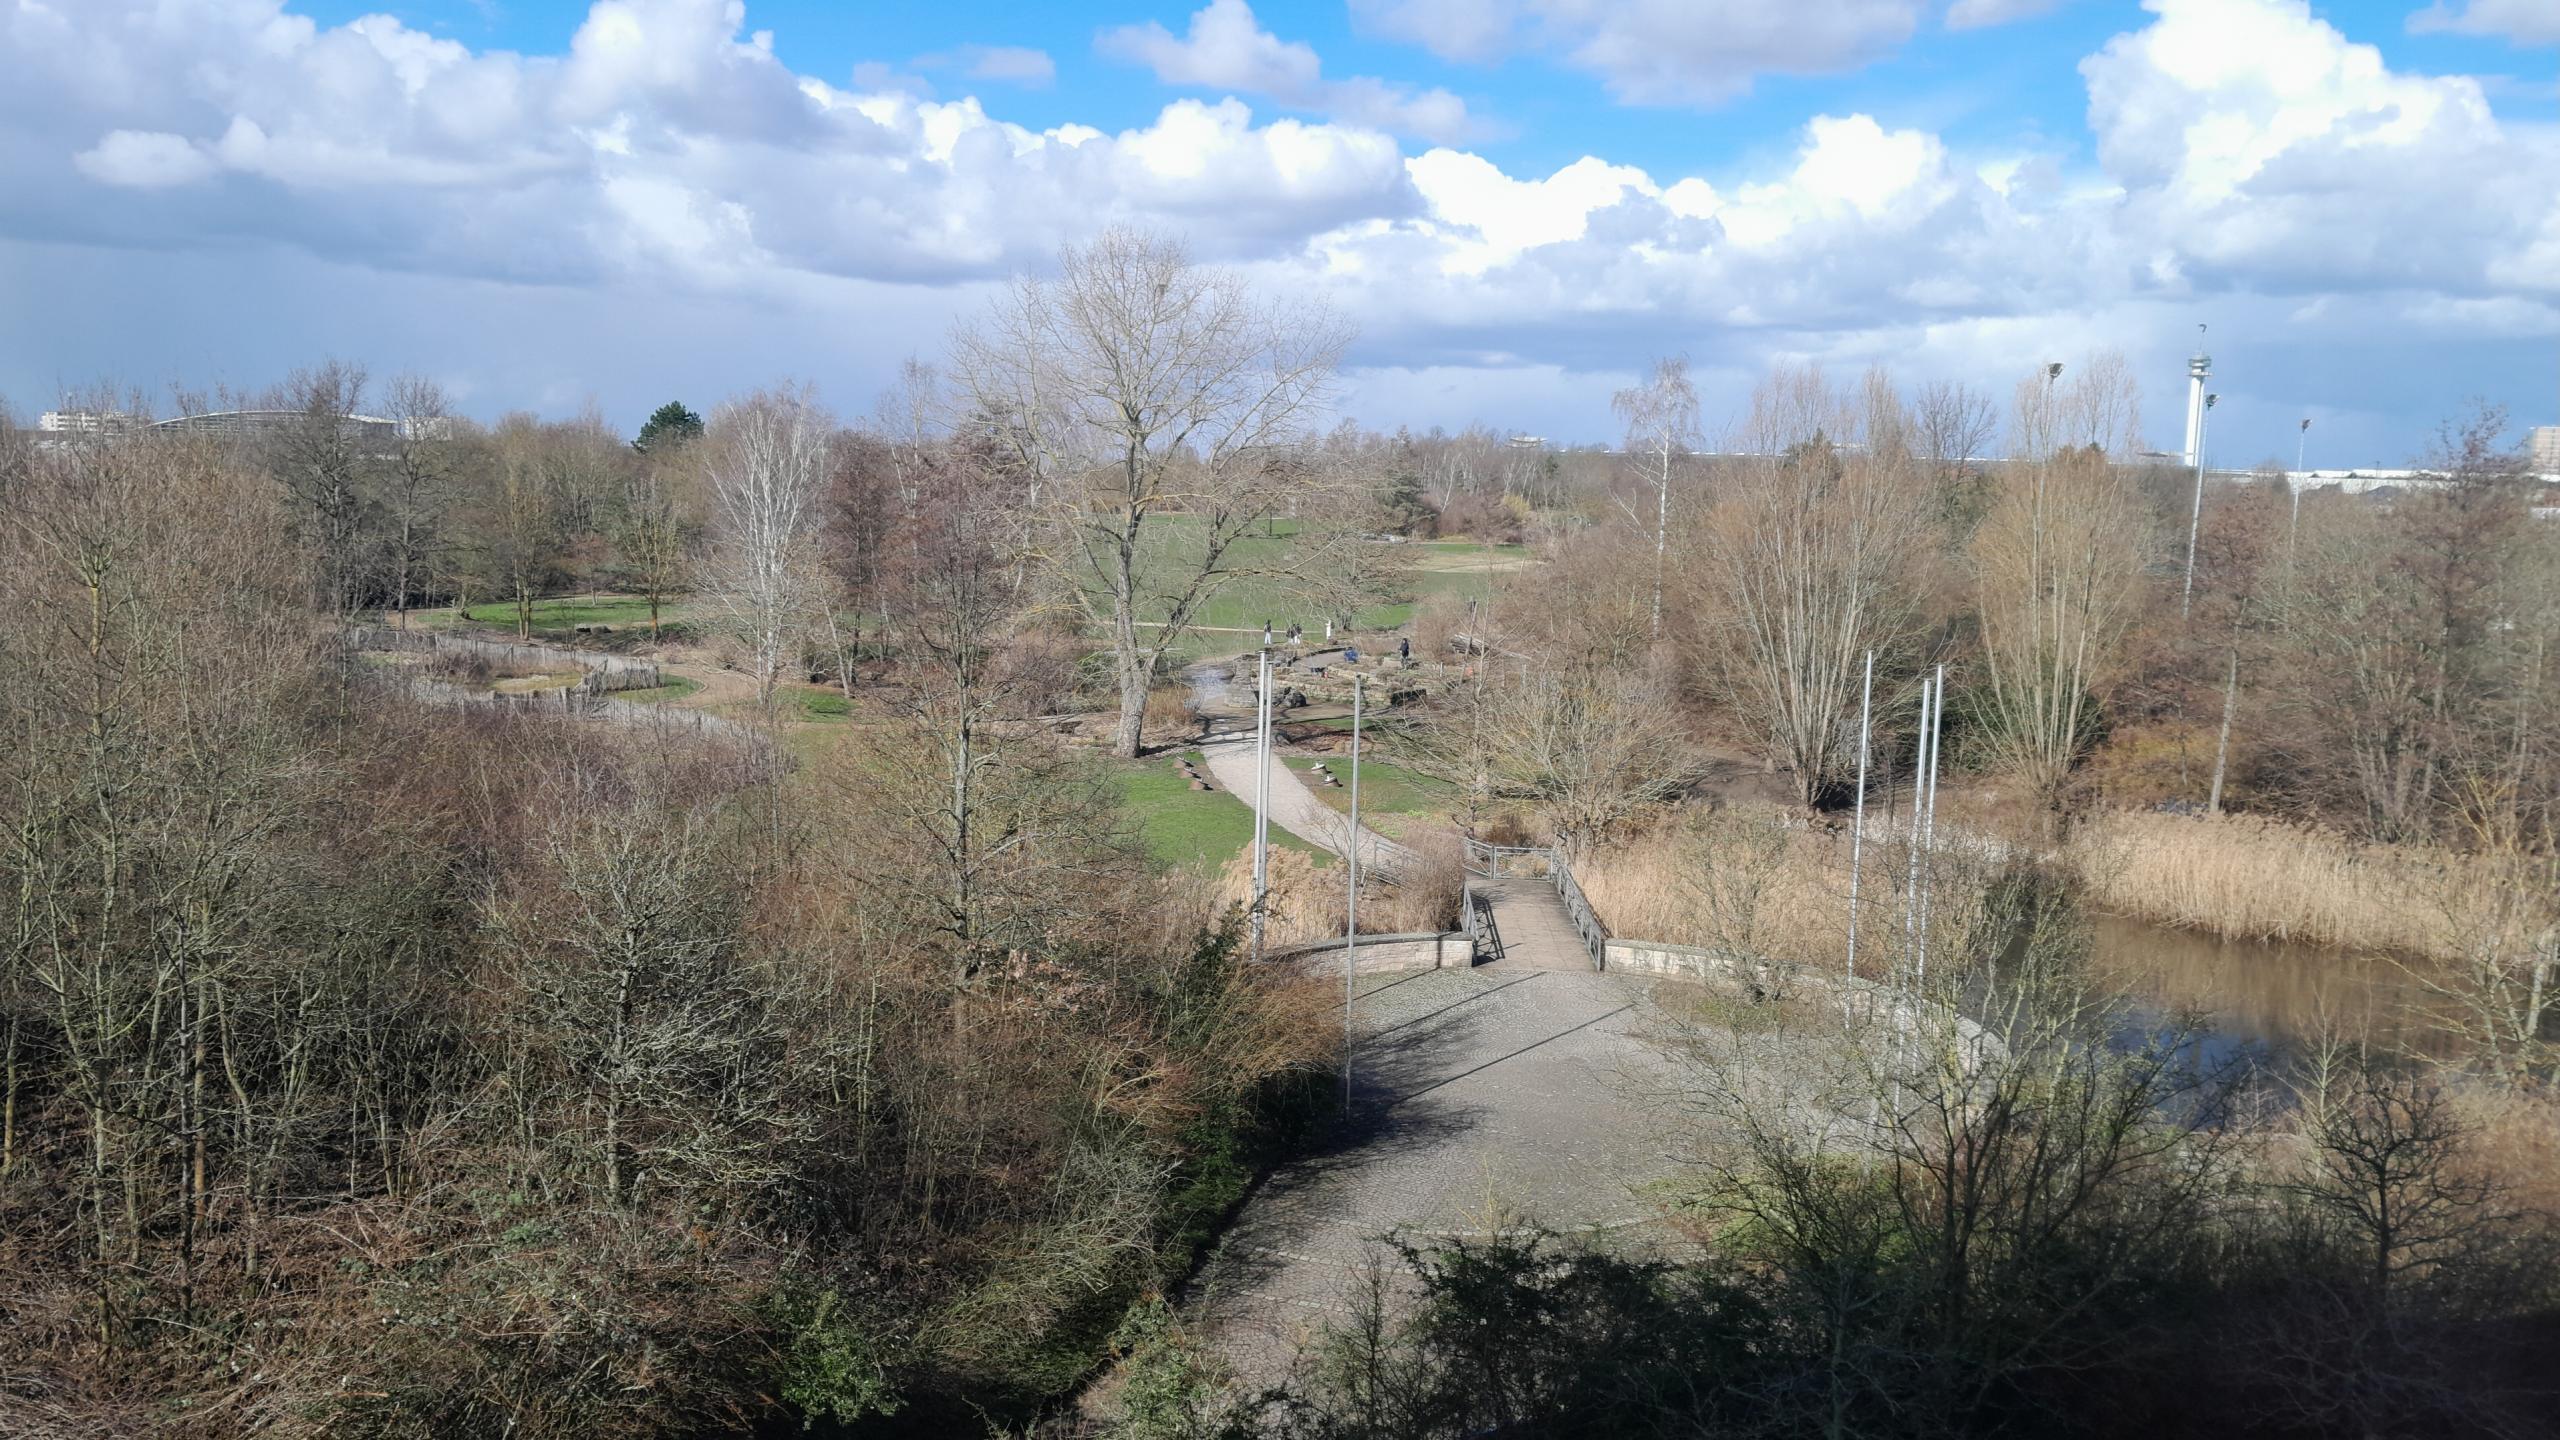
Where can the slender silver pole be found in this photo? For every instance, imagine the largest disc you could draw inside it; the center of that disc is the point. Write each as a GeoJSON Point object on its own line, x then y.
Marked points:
{"type": "Point", "coordinates": [1351, 909]}
{"type": "Point", "coordinates": [1919, 797]}
{"type": "Point", "coordinates": [1261, 799]}
{"type": "Point", "coordinates": [1929, 817]}
{"type": "Point", "coordinates": [2195, 514]}
{"type": "Point", "coordinates": [1858, 825]}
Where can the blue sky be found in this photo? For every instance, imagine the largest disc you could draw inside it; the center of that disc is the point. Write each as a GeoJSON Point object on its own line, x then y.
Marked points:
{"type": "Point", "coordinates": [1518, 201]}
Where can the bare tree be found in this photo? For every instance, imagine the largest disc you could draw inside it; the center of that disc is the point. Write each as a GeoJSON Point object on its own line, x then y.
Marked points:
{"type": "Point", "coordinates": [658, 524]}
{"type": "Point", "coordinates": [1813, 559]}
{"type": "Point", "coordinates": [2420, 634]}
{"type": "Point", "coordinates": [419, 488]}
{"type": "Point", "coordinates": [322, 460]}
{"type": "Point", "coordinates": [766, 466]}
{"type": "Point", "coordinates": [2055, 565]}
{"type": "Point", "coordinates": [514, 523]}
{"type": "Point", "coordinates": [1145, 397]}
{"type": "Point", "coordinates": [1661, 416]}
{"type": "Point", "coordinates": [1587, 745]}
{"type": "Point", "coordinates": [1953, 424]}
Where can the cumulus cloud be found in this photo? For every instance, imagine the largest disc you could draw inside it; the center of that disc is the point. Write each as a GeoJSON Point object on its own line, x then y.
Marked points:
{"type": "Point", "coordinates": [1225, 48]}
{"type": "Point", "coordinates": [2269, 150]}
{"type": "Point", "coordinates": [2524, 22]}
{"type": "Point", "coordinates": [144, 160]}
{"type": "Point", "coordinates": [2248, 159]}
{"type": "Point", "coordinates": [1658, 52]}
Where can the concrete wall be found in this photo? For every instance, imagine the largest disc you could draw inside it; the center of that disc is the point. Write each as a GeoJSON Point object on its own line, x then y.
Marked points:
{"type": "Point", "coordinates": [1695, 963]}
{"type": "Point", "coordinates": [1379, 954]}
{"type": "Point", "coordinates": [1679, 962]}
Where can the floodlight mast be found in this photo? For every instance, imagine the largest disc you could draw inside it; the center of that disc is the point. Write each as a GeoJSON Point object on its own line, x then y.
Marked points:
{"type": "Point", "coordinates": [2195, 514]}
{"type": "Point", "coordinates": [2199, 370]}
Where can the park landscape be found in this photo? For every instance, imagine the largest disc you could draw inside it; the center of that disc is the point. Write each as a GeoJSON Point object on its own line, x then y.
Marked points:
{"type": "Point", "coordinates": [761, 925]}
{"type": "Point", "coordinates": [1074, 831]}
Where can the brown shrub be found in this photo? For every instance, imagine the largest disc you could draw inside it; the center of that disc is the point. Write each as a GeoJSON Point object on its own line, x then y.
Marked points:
{"type": "Point", "coordinates": [1170, 715]}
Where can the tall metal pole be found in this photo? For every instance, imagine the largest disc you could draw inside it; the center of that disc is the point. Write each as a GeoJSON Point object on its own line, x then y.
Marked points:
{"type": "Point", "coordinates": [1351, 908]}
{"type": "Point", "coordinates": [2195, 515]}
{"type": "Point", "coordinates": [1858, 825]}
{"type": "Point", "coordinates": [1919, 797]}
{"type": "Point", "coordinates": [1261, 798]}
{"type": "Point", "coordinates": [1929, 816]}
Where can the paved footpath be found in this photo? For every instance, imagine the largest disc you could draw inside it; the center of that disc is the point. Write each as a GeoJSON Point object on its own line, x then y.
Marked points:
{"type": "Point", "coordinates": [1481, 1098]}
{"type": "Point", "coordinates": [1228, 752]}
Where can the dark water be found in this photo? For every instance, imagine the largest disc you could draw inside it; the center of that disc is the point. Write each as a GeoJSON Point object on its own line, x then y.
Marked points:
{"type": "Point", "coordinates": [2269, 1000]}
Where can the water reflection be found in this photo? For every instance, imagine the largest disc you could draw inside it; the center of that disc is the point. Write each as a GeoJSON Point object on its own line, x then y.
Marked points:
{"type": "Point", "coordinates": [2271, 998]}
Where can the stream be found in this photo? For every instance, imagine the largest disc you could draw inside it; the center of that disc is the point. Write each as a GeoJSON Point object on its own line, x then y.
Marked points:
{"type": "Point", "coordinates": [2267, 998]}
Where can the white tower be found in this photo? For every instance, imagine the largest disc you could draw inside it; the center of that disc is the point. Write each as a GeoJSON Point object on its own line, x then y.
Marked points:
{"type": "Point", "coordinates": [2199, 367]}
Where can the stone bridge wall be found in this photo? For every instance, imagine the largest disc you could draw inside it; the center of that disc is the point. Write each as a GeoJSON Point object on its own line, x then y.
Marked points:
{"type": "Point", "coordinates": [1380, 954]}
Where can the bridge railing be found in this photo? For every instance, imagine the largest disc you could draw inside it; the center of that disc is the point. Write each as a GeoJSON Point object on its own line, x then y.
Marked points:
{"type": "Point", "coordinates": [1476, 914]}
{"type": "Point", "coordinates": [1501, 860]}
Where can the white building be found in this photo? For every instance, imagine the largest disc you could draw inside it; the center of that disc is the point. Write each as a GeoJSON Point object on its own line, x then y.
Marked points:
{"type": "Point", "coordinates": [86, 422]}
{"type": "Point", "coordinates": [2542, 449]}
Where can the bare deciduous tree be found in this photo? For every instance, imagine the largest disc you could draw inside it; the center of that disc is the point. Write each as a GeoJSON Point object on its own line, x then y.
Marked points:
{"type": "Point", "coordinates": [1661, 416]}
{"type": "Point", "coordinates": [2055, 565]}
{"type": "Point", "coordinates": [1145, 397]}
{"type": "Point", "coordinates": [1586, 745]}
{"type": "Point", "coordinates": [418, 491]}
{"type": "Point", "coordinates": [766, 467]}
{"type": "Point", "coordinates": [1812, 560]}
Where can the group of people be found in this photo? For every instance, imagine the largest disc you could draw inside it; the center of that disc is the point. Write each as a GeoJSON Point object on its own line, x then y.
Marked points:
{"type": "Point", "coordinates": [1350, 653]}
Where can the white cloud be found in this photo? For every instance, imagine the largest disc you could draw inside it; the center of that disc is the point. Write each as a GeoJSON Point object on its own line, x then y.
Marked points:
{"type": "Point", "coordinates": [1978, 14]}
{"type": "Point", "coordinates": [1225, 48]}
{"type": "Point", "coordinates": [2271, 151]}
{"type": "Point", "coordinates": [2249, 162]}
{"type": "Point", "coordinates": [1658, 52]}
{"type": "Point", "coordinates": [2524, 22]}
{"type": "Point", "coordinates": [1013, 64]}
{"type": "Point", "coordinates": [145, 160]}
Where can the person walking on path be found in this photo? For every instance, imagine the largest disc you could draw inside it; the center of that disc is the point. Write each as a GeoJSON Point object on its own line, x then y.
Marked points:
{"type": "Point", "coordinates": [1404, 649]}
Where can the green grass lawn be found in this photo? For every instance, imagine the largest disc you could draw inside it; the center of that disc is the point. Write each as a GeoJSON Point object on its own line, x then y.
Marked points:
{"type": "Point", "coordinates": [1385, 789]}
{"type": "Point", "coordinates": [816, 705]}
{"type": "Point", "coordinates": [675, 689]}
{"type": "Point", "coordinates": [563, 615]}
{"type": "Point", "coordinates": [1190, 829]}
{"type": "Point", "coordinates": [1248, 600]}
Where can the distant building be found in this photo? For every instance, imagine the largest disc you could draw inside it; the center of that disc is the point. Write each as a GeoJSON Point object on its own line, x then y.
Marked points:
{"type": "Point", "coordinates": [2543, 449]}
{"type": "Point", "coordinates": [86, 422]}
{"type": "Point", "coordinates": [262, 424]}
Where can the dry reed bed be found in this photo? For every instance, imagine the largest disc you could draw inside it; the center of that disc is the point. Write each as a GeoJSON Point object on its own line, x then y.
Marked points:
{"type": "Point", "coordinates": [2248, 877]}
{"type": "Point", "coordinates": [1307, 900]}
{"type": "Point", "coordinates": [1749, 885]}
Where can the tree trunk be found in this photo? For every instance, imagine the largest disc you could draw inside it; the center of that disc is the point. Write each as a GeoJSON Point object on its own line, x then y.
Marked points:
{"type": "Point", "coordinates": [2222, 744]}
{"type": "Point", "coordinates": [1133, 708]}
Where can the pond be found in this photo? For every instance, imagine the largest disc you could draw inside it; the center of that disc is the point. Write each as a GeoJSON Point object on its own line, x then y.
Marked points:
{"type": "Point", "coordinates": [2269, 998]}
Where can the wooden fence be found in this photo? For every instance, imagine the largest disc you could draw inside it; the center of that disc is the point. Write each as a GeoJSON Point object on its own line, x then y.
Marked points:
{"type": "Point", "coordinates": [601, 674]}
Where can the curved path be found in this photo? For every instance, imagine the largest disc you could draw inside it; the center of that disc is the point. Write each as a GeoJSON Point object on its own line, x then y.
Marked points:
{"type": "Point", "coordinates": [1227, 749]}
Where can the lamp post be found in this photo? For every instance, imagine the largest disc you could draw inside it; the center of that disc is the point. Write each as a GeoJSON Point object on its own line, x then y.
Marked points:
{"type": "Point", "coordinates": [1351, 907]}
{"type": "Point", "coordinates": [1261, 798]}
{"type": "Point", "coordinates": [2195, 515]}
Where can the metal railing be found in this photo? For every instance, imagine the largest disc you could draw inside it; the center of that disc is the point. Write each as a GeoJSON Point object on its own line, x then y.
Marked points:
{"type": "Point", "coordinates": [1495, 861]}
{"type": "Point", "coordinates": [1476, 914]}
